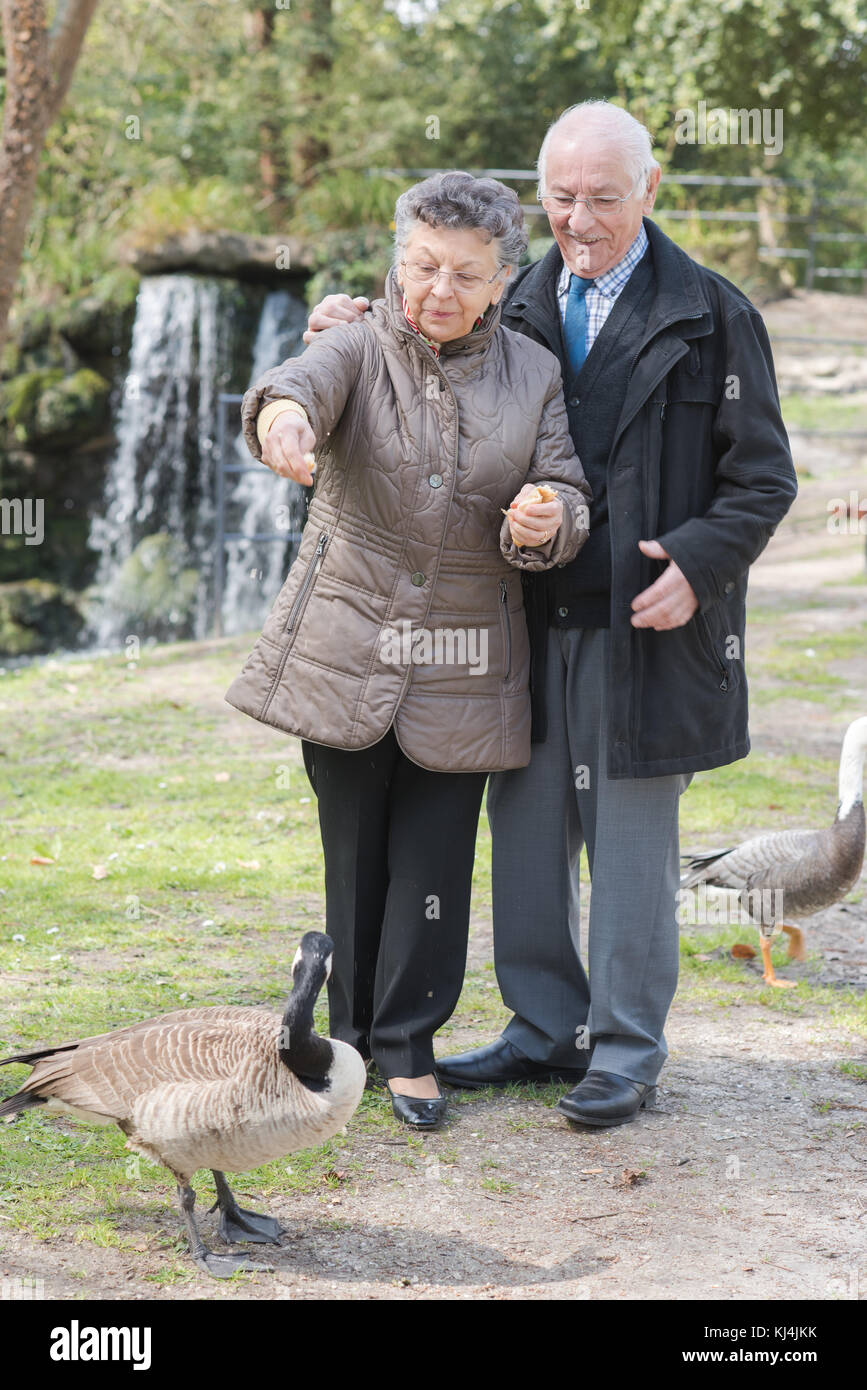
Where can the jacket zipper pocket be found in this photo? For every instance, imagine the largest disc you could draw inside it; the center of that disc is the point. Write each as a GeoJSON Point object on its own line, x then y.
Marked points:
{"type": "Point", "coordinates": [504, 600]}
{"type": "Point", "coordinates": [308, 580]}
{"type": "Point", "coordinates": [721, 666]}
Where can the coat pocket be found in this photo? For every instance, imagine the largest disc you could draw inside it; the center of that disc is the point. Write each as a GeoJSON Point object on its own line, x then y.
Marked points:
{"type": "Point", "coordinates": [306, 584]}
{"type": "Point", "coordinates": [507, 628]}
{"type": "Point", "coordinates": [719, 663]}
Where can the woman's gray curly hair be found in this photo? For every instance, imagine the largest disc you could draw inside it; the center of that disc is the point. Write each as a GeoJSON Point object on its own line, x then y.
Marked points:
{"type": "Point", "coordinates": [459, 200]}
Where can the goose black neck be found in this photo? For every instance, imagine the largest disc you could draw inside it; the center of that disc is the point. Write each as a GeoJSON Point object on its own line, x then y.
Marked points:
{"type": "Point", "coordinates": [301, 1049]}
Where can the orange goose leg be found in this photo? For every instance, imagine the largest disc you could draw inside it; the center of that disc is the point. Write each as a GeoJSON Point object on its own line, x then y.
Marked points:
{"type": "Point", "coordinates": [769, 977]}
{"type": "Point", "coordinates": [796, 942]}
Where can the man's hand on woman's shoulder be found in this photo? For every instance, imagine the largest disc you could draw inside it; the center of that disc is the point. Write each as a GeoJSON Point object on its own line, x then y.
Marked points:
{"type": "Point", "coordinates": [333, 310]}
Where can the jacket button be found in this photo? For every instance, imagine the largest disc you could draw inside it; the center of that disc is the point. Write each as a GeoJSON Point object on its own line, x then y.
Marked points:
{"type": "Point", "coordinates": [418, 579]}
{"type": "Point", "coordinates": [562, 612]}
{"type": "Point", "coordinates": [576, 400]}
{"type": "Point", "coordinates": [730, 587]}
{"type": "Point", "coordinates": [435, 480]}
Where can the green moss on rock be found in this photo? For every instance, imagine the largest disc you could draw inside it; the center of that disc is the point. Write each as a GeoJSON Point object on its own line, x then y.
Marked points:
{"type": "Point", "coordinates": [46, 405]}
{"type": "Point", "coordinates": [36, 617]}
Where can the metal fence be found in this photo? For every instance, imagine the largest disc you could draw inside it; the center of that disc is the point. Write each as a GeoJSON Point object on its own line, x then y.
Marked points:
{"type": "Point", "coordinates": [819, 199]}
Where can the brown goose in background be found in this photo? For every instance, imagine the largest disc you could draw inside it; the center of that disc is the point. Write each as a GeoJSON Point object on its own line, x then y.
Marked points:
{"type": "Point", "coordinates": [221, 1088]}
{"type": "Point", "coordinates": [798, 871]}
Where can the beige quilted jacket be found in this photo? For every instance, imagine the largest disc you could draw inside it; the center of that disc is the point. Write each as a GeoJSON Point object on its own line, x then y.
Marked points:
{"type": "Point", "coordinates": [404, 604]}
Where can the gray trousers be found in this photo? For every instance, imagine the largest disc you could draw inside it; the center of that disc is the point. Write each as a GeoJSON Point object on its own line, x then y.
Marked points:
{"type": "Point", "coordinates": [540, 816]}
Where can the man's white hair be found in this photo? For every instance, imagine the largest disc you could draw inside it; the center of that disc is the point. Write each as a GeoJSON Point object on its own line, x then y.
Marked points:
{"type": "Point", "coordinates": [612, 122]}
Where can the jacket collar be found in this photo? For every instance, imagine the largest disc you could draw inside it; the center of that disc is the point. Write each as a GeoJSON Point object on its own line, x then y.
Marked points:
{"type": "Point", "coordinates": [534, 298]}
{"type": "Point", "coordinates": [475, 341]}
{"type": "Point", "coordinates": [680, 293]}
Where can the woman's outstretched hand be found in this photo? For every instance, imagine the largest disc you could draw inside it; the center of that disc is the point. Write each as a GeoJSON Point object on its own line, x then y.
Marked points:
{"type": "Point", "coordinates": [288, 448]}
{"type": "Point", "coordinates": [533, 523]}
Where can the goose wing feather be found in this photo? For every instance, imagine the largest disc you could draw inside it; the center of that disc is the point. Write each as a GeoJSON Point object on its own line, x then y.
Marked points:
{"type": "Point", "coordinates": [107, 1074]}
{"type": "Point", "coordinates": [237, 1015]}
{"type": "Point", "coordinates": [763, 861]}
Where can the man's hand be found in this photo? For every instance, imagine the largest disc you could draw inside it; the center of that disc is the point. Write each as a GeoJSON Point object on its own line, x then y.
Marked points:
{"type": "Point", "coordinates": [287, 442]}
{"type": "Point", "coordinates": [533, 523]}
{"type": "Point", "coordinates": [670, 601]}
{"type": "Point", "coordinates": [332, 310]}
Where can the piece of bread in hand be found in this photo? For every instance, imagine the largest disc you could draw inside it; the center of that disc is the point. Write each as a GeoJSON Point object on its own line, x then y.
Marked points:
{"type": "Point", "coordinates": [542, 493]}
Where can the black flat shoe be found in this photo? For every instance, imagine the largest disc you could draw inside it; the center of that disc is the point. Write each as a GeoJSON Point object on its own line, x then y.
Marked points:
{"type": "Point", "coordinates": [499, 1064]}
{"type": "Point", "coordinates": [418, 1112]}
{"type": "Point", "coordinates": [603, 1098]}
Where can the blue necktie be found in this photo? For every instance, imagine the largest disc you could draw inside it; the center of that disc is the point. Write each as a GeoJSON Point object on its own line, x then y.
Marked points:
{"type": "Point", "coordinates": [575, 326]}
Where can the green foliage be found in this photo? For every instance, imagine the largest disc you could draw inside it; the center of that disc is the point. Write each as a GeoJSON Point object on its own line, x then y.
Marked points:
{"type": "Point", "coordinates": [148, 146]}
{"type": "Point", "coordinates": [352, 262]}
{"type": "Point", "coordinates": [20, 397]}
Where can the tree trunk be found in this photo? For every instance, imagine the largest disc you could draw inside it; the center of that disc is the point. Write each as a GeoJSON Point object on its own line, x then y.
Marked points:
{"type": "Point", "coordinates": [311, 150]}
{"type": "Point", "coordinates": [258, 26]}
{"type": "Point", "coordinates": [768, 202]}
{"type": "Point", "coordinates": [39, 68]}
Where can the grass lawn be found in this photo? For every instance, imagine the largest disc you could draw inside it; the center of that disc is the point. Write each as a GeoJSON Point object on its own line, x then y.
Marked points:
{"type": "Point", "coordinates": [160, 850]}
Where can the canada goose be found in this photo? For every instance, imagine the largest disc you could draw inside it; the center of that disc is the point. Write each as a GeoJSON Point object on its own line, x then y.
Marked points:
{"type": "Point", "coordinates": [794, 873]}
{"type": "Point", "coordinates": [221, 1088]}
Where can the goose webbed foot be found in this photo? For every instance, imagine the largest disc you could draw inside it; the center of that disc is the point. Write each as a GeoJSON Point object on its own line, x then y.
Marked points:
{"type": "Point", "coordinates": [224, 1266]}
{"type": "Point", "coordinates": [218, 1266]}
{"type": "Point", "coordinates": [238, 1224]}
{"type": "Point", "coordinates": [769, 975]}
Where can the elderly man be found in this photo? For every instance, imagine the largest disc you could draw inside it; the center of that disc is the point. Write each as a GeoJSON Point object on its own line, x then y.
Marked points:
{"type": "Point", "coordinates": [637, 673]}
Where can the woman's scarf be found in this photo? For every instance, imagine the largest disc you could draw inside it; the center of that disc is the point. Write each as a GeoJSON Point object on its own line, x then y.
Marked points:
{"type": "Point", "coordinates": [434, 347]}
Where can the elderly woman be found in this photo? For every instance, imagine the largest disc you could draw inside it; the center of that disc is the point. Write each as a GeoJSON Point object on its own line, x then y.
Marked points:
{"type": "Point", "coordinates": [397, 648]}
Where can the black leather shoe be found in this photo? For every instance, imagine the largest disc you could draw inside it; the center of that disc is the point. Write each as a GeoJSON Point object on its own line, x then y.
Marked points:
{"type": "Point", "coordinates": [498, 1064]}
{"type": "Point", "coordinates": [603, 1098]}
{"type": "Point", "coordinates": [419, 1113]}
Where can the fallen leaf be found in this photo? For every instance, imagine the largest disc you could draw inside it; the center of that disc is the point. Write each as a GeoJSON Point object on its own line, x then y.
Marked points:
{"type": "Point", "coordinates": [702, 955]}
{"type": "Point", "coordinates": [630, 1177]}
{"type": "Point", "coordinates": [222, 776]}
{"type": "Point", "coordinates": [71, 689]}
{"type": "Point", "coordinates": [592, 1170]}
{"type": "Point", "coordinates": [41, 859]}
{"type": "Point", "coordinates": [99, 871]}
{"type": "Point", "coordinates": [335, 1174]}
{"type": "Point", "coordinates": [249, 863]}
{"type": "Point", "coordinates": [741, 951]}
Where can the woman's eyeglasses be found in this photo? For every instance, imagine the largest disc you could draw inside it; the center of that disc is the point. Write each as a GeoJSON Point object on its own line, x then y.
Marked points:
{"type": "Point", "coordinates": [462, 281]}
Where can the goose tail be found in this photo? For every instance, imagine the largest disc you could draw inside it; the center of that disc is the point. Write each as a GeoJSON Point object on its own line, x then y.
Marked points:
{"type": "Point", "coordinates": [697, 865]}
{"type": "Point", "coordinates": [31, 1058]}
{"type": "Point", "coordinates": [22, 1100]}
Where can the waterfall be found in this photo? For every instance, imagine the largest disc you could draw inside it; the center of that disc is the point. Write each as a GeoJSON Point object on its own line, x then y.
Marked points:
{"type": "Point", "coordinates": [265, 503]}
{"type": "Point", "coordinates": [194, 336]}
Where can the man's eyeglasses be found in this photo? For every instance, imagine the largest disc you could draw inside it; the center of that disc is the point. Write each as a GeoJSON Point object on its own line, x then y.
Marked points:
{"type": "Point", "coordinates": [462, 281]}
{"type": "Point", "coordinates": [598, 205]}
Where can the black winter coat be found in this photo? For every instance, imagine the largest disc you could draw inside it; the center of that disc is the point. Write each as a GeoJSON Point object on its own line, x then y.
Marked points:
{"type": "Point", "coordinates": [701, 463]}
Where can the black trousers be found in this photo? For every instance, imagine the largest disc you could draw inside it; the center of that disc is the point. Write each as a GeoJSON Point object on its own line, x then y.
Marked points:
{"type": "Point", "coordinates": [399, 845]}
